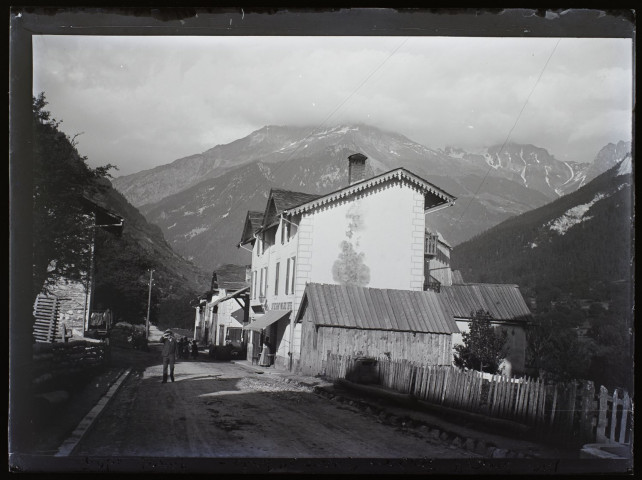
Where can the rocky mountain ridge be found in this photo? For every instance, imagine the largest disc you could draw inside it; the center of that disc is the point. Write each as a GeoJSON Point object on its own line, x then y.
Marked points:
{"type": "Point", "coordinates": [200, 201]}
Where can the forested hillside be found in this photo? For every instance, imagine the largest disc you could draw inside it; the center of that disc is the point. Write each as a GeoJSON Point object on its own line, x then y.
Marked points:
{"type": "Point", "coordinates": [573, 260]}
{"type": "Point", "coordinates": [578, 245]}
{"type": "Point", "coordinates": [64, 190]}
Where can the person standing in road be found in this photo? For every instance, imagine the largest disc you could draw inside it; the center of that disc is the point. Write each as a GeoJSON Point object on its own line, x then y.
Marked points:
{"type": "Point", "coordinates": [170, 349]}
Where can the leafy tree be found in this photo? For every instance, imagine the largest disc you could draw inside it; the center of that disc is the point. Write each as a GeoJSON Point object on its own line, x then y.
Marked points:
{"type": "Point", "coordinates": [483, 348]}
{"type": "Point", "coordinates": [122, 278]}
{"type": "Point", "coordinates": [61, 182]}
{"type": "Point", "coordinates": [554, 346]}
{"type": "Point", "coordinates": [611, 364]}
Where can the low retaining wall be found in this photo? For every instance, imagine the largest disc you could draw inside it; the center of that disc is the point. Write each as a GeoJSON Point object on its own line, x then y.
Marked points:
{"type": "Point", "coordinates": [60, 366]}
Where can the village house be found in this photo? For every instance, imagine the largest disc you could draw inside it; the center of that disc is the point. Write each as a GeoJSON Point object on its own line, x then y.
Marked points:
{"type": "Point", "coordinates": [223, 310]}
{"type": "Point", "coordinates": [76, 313]}
{"type": "Point", "coordinates": [507, 309]}
{"type": "Point", "coordinates": [372, 233]}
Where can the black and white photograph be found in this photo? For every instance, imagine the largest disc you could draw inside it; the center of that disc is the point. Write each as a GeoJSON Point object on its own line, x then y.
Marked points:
{"type": "Point", "coordinates": [321, 241]}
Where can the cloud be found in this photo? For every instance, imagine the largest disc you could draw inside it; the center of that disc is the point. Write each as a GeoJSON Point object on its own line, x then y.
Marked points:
{"type": "Point", "coordinates": [145, 101]}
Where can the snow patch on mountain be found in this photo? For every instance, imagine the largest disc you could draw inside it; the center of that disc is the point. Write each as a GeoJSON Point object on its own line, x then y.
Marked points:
{"type": "Point", "coordinates": [200, 210]}
{"type": "Point", "coordinates": [573, 216]}
{"type": "Point", "coordinates": [523, 174]}
{"type": "Point", "coordinates": [625, 166]}
{"type": "Point", "coordinates": [572, 173]}
{"type": "Point", "coordinates": [195, 231]}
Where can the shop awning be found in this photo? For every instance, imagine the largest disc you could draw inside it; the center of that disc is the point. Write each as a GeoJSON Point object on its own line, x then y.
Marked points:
{"type": "Point", "coordinates": [268, 319]}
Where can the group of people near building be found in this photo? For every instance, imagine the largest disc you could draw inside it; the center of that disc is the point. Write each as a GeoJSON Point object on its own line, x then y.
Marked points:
{"type": "Point", "coordinates": [185, 347]}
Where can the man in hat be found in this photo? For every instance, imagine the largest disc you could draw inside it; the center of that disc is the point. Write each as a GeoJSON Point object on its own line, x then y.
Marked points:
{"type": "Point", "coordinates": [170, 348]}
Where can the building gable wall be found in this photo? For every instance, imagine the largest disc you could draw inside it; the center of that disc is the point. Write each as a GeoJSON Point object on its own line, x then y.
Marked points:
{"type": "Point", "coordinates": [374, 239]}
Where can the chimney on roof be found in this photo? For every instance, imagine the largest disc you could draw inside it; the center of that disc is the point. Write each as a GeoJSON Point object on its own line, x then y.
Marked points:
{"type": "Point", "coordinates": [356, 168]}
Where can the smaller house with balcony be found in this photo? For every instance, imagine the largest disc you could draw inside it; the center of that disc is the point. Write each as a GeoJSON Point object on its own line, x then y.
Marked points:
{"type": "Point", "coordinates": [507, 309]}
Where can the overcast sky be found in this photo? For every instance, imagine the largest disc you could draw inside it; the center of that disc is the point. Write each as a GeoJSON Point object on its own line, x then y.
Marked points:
{"type": "Point", "coordinates": [139, 102]}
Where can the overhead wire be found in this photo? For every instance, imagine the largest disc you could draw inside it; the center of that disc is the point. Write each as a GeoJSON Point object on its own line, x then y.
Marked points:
{"type": "Point", "coordinates": [510, 132]}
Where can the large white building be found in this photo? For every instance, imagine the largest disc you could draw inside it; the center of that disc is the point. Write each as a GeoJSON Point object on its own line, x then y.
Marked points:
{"type": "Point", "coordinates": [374, 232]}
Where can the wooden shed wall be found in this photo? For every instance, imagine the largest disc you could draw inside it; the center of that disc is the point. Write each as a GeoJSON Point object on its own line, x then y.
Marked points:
{"type": "Point", "coordinates": [422, 348]}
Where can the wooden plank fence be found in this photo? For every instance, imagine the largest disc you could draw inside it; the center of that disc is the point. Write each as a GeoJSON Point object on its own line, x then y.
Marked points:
{"type": "Point", "coordinates": [45, 312]}
{"type": "Point", "coordinates": [572, 411]}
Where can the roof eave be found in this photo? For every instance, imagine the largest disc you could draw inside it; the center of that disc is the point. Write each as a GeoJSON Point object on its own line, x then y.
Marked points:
{"type": "Point", "coordinates": [357, 187]}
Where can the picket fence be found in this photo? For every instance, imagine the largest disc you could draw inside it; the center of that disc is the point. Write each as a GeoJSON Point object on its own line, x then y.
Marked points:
{"type": "Point", "coordinates": [570, 411]}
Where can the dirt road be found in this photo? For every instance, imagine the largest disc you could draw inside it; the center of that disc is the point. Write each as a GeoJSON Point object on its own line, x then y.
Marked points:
{"type": "Point", "coordinates": [218, 409]}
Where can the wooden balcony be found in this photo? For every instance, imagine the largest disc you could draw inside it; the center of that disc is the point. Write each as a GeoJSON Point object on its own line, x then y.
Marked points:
{"type": "Point", "coordinates": [430, 245]}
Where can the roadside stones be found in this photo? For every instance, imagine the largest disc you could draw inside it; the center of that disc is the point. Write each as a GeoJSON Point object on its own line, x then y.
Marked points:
{"type": "Point", "coordinates": [469, 444]}
{"type": "Point", "coordinates": [480, 448]}
{"type": "Point", "coordinates": [499, 453]}
{"type": "Point", "coordinates": [444, 436]}
{"type": "Point", "coordinates": [457, 442]}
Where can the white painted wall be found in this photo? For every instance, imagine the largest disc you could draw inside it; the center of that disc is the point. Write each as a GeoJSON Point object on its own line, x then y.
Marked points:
{"type": "Point", "coordinates": [277, 253]}
{"type": "Point", "coordinates": [384, 232]}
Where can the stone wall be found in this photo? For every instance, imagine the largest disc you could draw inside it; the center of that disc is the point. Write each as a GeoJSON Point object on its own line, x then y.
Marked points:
{"type": "Point", "coordinates": [59, 366]}
{"type": "Point", "coordinates": [73, 296]}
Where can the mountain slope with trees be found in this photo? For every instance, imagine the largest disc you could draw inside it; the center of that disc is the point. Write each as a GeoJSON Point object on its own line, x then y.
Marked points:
{"type": "Point", "coordinates": [62, 233]}
{"type": "Point", "coordinates": [198, 221]}
{"type": "Point", "coordinates": [573, 258]}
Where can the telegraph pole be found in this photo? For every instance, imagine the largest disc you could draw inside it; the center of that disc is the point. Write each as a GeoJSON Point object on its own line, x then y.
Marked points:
{"type": "Point", "coordinates": [149, 303]}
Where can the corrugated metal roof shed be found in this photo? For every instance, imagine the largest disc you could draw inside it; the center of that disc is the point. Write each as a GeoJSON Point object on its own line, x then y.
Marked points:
{"type": "Point", "coordinates": [377, 309]}
{"type": "Point", "coordinates": [504, 302]}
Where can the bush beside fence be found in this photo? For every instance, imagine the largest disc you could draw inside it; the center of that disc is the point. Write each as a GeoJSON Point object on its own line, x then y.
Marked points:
{"type": "Point", "coordinates": [570, 412]}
